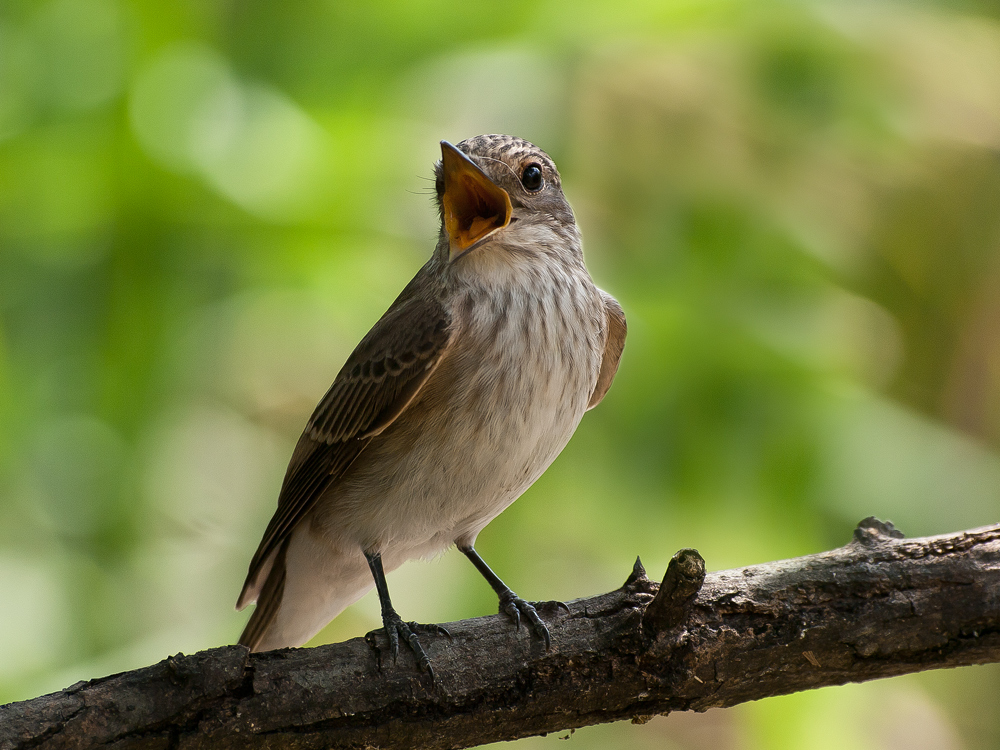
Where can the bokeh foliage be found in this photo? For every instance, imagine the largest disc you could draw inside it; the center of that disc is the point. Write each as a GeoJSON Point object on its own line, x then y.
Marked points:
{"type": "Point", "coordinates": [204, 205]}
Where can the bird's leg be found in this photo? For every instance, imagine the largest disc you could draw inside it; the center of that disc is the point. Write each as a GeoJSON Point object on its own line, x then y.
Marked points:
{"type": "Point", "coordinates": [393, 623]}
{"type": "Point", "coordinates": [510, 603]}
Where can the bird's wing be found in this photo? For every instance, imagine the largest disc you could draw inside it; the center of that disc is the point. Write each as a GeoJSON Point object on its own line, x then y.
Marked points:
{"type": "Point", "coordinates": [612, 348]}
{"type": "Point", "coordinates": [377, 383]}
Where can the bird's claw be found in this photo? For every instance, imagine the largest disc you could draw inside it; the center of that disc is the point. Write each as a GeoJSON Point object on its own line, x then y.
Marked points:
{"type": "Point", "coordinates": [419, 627]}
{"type": "Point", "coordinates": [395, 629]}
{"type": "Point", "coordinates": [514, 606]}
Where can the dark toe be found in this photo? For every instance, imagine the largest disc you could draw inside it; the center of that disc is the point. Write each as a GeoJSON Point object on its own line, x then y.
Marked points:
{"type": "Point", "coordinates": [514, 607]}
{"type": "Point", "coordinates": [396, 630]}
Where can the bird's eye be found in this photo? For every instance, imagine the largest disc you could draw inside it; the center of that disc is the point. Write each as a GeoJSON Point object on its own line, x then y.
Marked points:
{"type": "Point", "coordinates": [531, 178]}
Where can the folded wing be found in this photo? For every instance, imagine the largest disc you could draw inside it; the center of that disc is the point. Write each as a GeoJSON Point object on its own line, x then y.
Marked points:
{"type": "Point", "coordinates": [378, 382]}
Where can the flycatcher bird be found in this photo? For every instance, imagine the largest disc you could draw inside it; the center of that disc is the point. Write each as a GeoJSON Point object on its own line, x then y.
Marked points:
{"type": "Point", "coordinates": [449, 409]}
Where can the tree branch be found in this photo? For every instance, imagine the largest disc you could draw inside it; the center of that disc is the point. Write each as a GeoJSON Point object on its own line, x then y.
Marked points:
{"type": "Point", "coordinates": [879, 607]}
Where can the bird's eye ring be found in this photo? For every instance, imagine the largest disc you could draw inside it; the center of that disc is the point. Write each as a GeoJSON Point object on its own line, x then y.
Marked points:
{"type": "Point", "coordinates": [531, 178]}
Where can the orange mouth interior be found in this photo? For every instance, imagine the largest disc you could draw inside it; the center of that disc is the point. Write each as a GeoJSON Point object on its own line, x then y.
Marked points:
{"type": "Point", "coordinates": [474, 206]}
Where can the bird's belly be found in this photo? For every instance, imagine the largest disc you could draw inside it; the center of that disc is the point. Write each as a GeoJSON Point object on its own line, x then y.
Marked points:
{"type": "Point", "coordinates": [474, 476]}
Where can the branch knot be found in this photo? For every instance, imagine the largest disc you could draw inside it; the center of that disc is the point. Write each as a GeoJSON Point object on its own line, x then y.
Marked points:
{"type": "Point", "coordinates": [871, 531]}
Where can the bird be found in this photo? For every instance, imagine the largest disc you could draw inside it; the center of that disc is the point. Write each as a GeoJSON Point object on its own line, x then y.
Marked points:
{"type": "Point", "coordinates": [452, 405]}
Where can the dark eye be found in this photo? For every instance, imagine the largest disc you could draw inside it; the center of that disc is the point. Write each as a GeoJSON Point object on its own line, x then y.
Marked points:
{"type": "Point", "coordinates": [531, 177]}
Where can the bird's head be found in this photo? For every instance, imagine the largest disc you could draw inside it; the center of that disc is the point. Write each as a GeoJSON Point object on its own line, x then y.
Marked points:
{"type": "Point", "coordinates": [502, 192]}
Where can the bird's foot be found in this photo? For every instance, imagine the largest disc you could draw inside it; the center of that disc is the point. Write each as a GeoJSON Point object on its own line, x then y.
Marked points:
{"type": "Point", "coordinates": [395, 628]}
{"type": "Point", "coordinates": [514, 606]}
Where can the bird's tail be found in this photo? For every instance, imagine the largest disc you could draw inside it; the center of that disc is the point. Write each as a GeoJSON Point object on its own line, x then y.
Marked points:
{"type": "Point", "coordinates": [309, 584]}
{"type": "Point", "coordinates": [268, 602]}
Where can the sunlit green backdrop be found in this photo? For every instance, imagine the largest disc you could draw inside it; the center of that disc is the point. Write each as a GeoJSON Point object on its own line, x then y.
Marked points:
{"type": "Point", "coordinates": [204, 206]}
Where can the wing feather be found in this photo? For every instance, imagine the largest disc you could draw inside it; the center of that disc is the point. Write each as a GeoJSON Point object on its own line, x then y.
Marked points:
{"type": "Point", "coordinates": [613, 347]}
{"type": "Point", "coordinates": [375, 385]}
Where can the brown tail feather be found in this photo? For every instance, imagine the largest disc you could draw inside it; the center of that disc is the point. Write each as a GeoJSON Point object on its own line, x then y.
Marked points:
{"type": "Point", "coordinates": [268, 602]}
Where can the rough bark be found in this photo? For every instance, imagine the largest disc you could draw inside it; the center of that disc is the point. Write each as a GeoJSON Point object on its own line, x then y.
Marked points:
{"type": "Point", "coordinates": [878, 607]}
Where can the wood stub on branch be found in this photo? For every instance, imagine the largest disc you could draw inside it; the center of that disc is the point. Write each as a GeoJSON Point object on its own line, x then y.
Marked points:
{"type": "Point", "coordinates": [878, 607]}
{"type": "Point", "coordinates": [681, 584]}
{"type": "Point", "coordinates": [872, 531]}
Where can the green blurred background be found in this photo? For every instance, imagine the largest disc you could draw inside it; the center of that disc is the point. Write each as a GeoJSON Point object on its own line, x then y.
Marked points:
{"type": "Point", "coordinates": [205, 205]}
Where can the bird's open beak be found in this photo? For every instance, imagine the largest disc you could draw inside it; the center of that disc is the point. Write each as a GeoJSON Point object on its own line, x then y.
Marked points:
{"type": "Point", "coordinates": [474, 206]}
